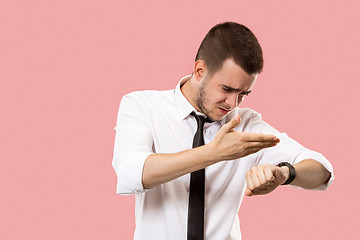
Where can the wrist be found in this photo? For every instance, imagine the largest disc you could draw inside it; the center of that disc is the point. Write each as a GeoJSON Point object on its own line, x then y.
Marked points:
{"type": "Point", "coordinates": [210, 154]}
{"type": "Point", "coordinates": [291, 174]}
{"type": "Point", "coordinates": [285, 172]}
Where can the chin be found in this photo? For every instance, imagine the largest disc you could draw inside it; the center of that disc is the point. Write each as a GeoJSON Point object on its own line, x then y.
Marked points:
{"type": "Point", "coordinates": [222, 117]}
{"type": "Point", "coordinates": [217, 118]}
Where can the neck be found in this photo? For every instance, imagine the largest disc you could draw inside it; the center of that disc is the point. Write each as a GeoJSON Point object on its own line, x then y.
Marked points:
{"type": "Point", "coordinates": [190, 92]}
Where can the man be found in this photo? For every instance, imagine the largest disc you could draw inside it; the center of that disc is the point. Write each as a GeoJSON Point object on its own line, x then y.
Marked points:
{"type": "Point", "coordinates": [186, 190]}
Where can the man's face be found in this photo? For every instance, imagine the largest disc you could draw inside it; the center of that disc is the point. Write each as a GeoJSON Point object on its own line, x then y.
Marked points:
{"type": "Point", "coordinates": [224, 91]}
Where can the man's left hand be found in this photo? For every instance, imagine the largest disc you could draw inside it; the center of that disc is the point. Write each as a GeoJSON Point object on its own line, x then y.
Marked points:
{"type": "Point", "coordinates": [263, 179]}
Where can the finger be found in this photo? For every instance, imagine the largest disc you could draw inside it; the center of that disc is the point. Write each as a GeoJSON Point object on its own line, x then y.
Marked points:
{"type": "Point", "coordinates": [249, 183]}
{"type": "Point", "coordinates": [230, 125]}
{"type": "Point", "coordinates": [269, 174]}
{"type": "Point", "coordinates": [261, 144]}
{"type": "Point", "coordinates": [253, 150]}
{"type": "Point", "coordinates": [261, 175]}
{"type": "Point", "coordinates": [255, 147]}
{"type": "Point", "coordinates": [259, 137]}
{"type": "Point", "coordinates": [248, 192]}
{"type": "Point", "coordinates": [254, 177]}
{"type": "Point", "coordinates": [278, 175]}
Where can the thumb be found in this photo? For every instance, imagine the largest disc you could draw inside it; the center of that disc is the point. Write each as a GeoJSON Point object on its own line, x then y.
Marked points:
{"type": "Point", "coordinates": [231, 124]}
{"type": "Point", "coordinates": [279, 177]}
{"type": "Point", "coordinates": [248, 192]}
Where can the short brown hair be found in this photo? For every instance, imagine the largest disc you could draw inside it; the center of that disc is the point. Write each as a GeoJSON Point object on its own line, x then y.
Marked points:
{"type": "Point", "coordinates": [231, 40]}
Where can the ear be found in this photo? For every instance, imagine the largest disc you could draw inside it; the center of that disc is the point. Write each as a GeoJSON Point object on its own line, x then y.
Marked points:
{"type": "Point", "coordinates": [200, 70]}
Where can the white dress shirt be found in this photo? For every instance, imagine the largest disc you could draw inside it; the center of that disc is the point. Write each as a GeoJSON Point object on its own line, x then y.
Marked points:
{"type": "Point", "coordinates": [159, 122]}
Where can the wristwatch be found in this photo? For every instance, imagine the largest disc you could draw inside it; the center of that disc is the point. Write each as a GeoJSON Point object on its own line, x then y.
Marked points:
{"type": "Point", "coordinates": [292, 173]}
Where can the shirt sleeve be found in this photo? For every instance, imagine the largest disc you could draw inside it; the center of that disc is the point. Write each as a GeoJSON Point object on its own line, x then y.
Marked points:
{"type": "Point", "coordinates": [288, 150]}
{"type": "Point", "coordinates": [133, 144]}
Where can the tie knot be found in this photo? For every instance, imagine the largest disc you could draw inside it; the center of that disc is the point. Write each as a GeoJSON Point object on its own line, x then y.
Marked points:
{"type": "Point", "coordinates": [200, 120]}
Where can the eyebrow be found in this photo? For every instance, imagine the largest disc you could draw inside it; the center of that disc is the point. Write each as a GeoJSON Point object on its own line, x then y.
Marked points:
{"type": "Point", "coordinates": [235, 89]}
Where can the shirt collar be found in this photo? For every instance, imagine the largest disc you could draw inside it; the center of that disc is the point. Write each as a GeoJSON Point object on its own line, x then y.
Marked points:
{"type": "Point", "coordinates": [184, 106]}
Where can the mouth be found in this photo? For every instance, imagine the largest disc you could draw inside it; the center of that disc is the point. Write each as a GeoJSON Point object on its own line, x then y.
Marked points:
{"type": "Point", "coordinates": [224, 111]}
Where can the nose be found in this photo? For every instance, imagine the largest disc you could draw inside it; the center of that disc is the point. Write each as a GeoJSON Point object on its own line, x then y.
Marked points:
{"type": "Point", "coordinates": [234, 100]}
{"type": "Point", "coordinates": [239, 99]}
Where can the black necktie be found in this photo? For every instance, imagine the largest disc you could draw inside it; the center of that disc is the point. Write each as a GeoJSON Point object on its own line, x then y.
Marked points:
{"type": "Point", "coordinates": [197, 189]}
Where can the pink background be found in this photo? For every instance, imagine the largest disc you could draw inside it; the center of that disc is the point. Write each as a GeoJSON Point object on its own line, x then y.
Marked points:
{"type": "Point", "coordinates": [64, 66]}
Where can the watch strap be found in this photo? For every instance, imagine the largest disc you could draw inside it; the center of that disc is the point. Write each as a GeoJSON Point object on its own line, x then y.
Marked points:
{"type": "Point", "coordinates": [292, 173]}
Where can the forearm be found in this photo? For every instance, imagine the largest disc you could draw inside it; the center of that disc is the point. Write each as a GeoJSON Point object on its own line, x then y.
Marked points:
{"type": "Point", "coordinates": [310, 174]}
{"type": "Point", "coordinates": [227, 145]}
{"type": "Point", "coordinates": [163, 167]}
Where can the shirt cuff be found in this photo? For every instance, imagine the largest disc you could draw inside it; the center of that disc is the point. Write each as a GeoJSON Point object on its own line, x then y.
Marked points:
{"type": "Point", "coordinates": [130, 176]}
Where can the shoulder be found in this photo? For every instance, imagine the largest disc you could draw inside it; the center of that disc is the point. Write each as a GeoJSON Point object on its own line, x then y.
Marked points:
{"type": "Point", "coordinates": [249, 119]}
{"type": "Point", "coordinates": [146, 97]}
{"type": "Point", "coordinates": [148, 102]}
{"type": "Point", "coordinates": [148, 94]}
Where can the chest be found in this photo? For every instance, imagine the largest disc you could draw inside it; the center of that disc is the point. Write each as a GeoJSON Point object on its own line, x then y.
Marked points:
{"type": "Point", "coordinates": [172, 134]}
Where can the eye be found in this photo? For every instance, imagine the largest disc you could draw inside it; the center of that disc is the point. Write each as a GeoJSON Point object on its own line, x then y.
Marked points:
{"type": "Point", "coordinates": [245, 93]}
{"type": "Point", "coordinates": [226, 89]}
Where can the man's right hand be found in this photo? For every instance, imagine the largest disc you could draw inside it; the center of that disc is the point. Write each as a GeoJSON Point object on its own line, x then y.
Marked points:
{"type": "Point", "coordinates": [229, 144]}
